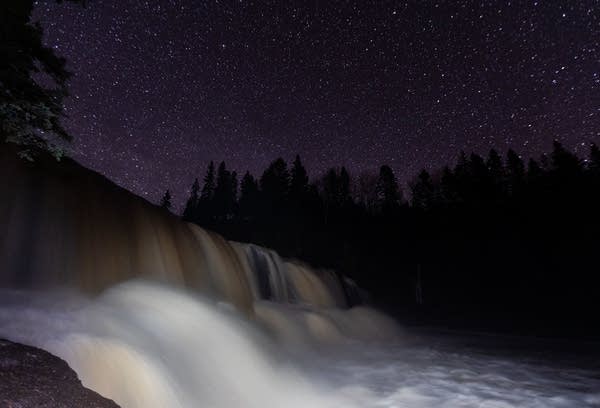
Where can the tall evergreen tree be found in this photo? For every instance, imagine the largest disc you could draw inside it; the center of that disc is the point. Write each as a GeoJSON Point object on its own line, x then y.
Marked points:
{"type": "Point", "coordinates": [274, 185]}
{"type": "Point", "coordinates": [249, 196]}
{"type": "Point", "coordinates": [225, 192]}
{"type": "Point", "coordinates": [481, 184]}
{"type": "Point", "coordinates": [336, 189]}
{"type": "Point", "coordinates": [563, 161]}
{"type": "Point", "coordinates": [30, 112]}
{"type": "Point", "coordinates": [299, 180]}
{"type": "Point", "coordinates": [515, 171]}
{"type": "Point", "coordinates": [389, 195]}
{"type": "Point", "coordinates": [205, 209]}
{"type": "Point", "coordinates": [165, 202]}
{"type": "Point", "coordinates": [534, 171]}
{"type": "Point", "coordinates": [497, 173]}
{"type": "Point", "coordinates": [449, 188]}
{"type": "Point", "coordinates": [423, 195]}
{"type": "Point", "coordinates": [345, 194]}
{"type": "Point", "coordinates": [366, 191]}
{"type": "Point", "coordinates": [208, 189]}
{"type": "Point", "coordinates": [191, 205]}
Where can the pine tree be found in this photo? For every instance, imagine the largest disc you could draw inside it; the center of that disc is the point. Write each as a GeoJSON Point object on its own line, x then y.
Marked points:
{"type": "Point", "coordinates": [30, 113]}
{"type": "Point", "coordinates": [336, 189]}
{"type": "Point", "coordinates": [389, 195]}
{"type": "Point", "coordinates": [481, 184]}
{"type": "Point", "coordinates": [497, 173]}
{"type": "Point", "coordinates": [274, 186]}
{"type": "Point", "coordinates": [249, 196]}
{"type": "Point", "coordinates": [191, 206]}
{"type": "Point", "coordinates": [564, 162]}
{"type": "Point", "coordinates": [534, 171]}
{"type": "Point", "coordinates": [515, 171]}
{"type": "Point", "coordinates": [449, 188]}
{"type": "Point", "coordinates": [423, 191]}
{"type": "Point", "coordinates": [208, 190]}
{"type": "Point", "coordinates": [205, 209]}
{"type": "Point", "coordinates": [366, 191]}
{"type": "Point", "coordinates": [165, 202]}
{"type": "Point", "coordinates": [225, 192]}
{"type": "Point", "coordinates": [345, 196]}
{"type": "Point", "coordinates": [299, 180]}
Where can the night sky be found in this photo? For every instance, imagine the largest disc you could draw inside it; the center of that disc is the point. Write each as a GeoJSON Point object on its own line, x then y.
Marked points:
{"type": "Point", "coordinates": [162, 87]}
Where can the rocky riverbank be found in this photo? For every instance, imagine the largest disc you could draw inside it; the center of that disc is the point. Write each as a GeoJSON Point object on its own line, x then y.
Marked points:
{"type": "Point", "coordinates": [30, 377]}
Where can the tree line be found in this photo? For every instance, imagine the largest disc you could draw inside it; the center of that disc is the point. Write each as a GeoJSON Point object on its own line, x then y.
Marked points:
{"type": "Point", "coordinates": [488, 235]}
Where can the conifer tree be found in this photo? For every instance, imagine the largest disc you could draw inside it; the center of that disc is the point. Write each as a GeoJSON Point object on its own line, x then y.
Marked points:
{"type": "Point", "coordinates": [515, 171]}
{"type": "Point", "coordinates": [249, 196]}
{"type": "Point", "coordinates": [563, 161]}
{"type": "Point", "coordinates": [274, 186]}
{"type": "Point", "coordinates": [423, 191]}
{"type": "Point", "coordinates": [299, 180]}
{"type": "Point", "coordinates": [208, 189]}
{"type": "Point", "coordinates": [497, 173]}
{"type": "Point", "coordinates": [30, 112]}
{"type": "Point", "coordinates": [191, 206]}
{"type": "Point", "coordinates": [388, 192]}
{"type": "Point", "coordinates": [205, 208]}
{"type": "Point", "coordinates": [225, 192]}
{"type": "Point", "coordinates": [165, 202]}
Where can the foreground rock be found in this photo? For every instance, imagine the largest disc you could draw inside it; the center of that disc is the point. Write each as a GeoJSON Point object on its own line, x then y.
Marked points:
{"type": "Point", "coordinates": [30, 377]}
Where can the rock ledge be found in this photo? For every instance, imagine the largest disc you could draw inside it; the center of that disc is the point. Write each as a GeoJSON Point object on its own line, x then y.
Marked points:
{"type": "Point", "coordinates": [30, 377]}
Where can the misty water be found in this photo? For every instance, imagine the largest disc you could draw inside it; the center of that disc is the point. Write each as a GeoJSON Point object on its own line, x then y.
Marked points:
{"type": "Point", "coordinates": [146, 345]}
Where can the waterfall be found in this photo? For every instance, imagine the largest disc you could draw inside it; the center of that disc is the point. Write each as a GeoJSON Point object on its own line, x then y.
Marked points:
{"type": "Point", "coordinates": [159, 312]}
{"type": "Point", "coordinates": [68, 226]}
{"type": "Point", "coordinates": [153, 312]}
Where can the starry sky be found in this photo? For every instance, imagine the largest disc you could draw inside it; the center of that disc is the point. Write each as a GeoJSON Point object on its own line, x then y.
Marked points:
{"type": "Point", "coordinates": [161, 87]}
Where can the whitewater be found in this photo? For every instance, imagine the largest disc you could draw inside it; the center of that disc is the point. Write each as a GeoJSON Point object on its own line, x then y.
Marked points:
{"type": "Point", "coordinates": [150, 345]}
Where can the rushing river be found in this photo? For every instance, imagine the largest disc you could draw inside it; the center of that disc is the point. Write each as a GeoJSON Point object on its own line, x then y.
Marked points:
{"type": "Point", "coordinates": [145, 345]}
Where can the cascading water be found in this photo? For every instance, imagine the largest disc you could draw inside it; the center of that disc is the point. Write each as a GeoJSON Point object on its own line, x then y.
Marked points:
{"type": "Point", "coordinates": [154, 312]}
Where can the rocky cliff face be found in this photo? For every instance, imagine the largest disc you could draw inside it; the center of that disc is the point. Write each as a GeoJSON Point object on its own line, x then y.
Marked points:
{"type": "Point", "coordinates": [33, 378]}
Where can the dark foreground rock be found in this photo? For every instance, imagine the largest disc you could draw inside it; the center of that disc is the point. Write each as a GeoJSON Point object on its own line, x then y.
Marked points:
{"type": "Point", "coordinates": [30, 377]}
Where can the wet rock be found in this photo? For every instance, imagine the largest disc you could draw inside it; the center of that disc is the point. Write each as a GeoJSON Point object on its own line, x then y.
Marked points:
{"type": "Point", "coordinates": [30, 377]}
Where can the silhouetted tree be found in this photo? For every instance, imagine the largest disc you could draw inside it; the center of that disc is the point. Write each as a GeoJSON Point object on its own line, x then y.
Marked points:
{"type": "Point", "coordinates": [299, 181]}
{"type": "Point", "coordinates": [191, 205]}
{"type": "Point", "coordinates": [165, 202]}
{"type": "Point", "coordinates": [496, 173]}
{"type": "Point", "coordinates": [205, 208]}
{"type": "Point", "coordinates": [389, 196]}
{"type": "Point", "coordinates": [423, 191]}
{"type": "Point", "coordinates": [365, 191]}
{"type": "Point", "coordinates": [515, 171]}
{"type": "Point", "coordinates": [336, 189]}
{"type": "Point", "coordinates": [249, 196]}
{"type": "Point", "coordinates": [274, 186]}
{"type": "Point", "coordinates": [225, 193]}
{"type": "Point", "coordinates": [449, 187]}
{"type": "Point", "coordinates": [564, 162]}
{"type": "Point", "coordinates": [344, 195]}
{"type": "Point", "coordinates": [29, 111]}
{"type": "Point", "coordinates": [481, 185]}
{"type": "Point", "coordinates": [208, 190]}
{"type": "Point", "coordinates": [534, 171]}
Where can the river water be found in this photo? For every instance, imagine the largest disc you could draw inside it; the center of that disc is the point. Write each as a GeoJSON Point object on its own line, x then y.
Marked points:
{"type": "Point", "coordinates": [145, 345]}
